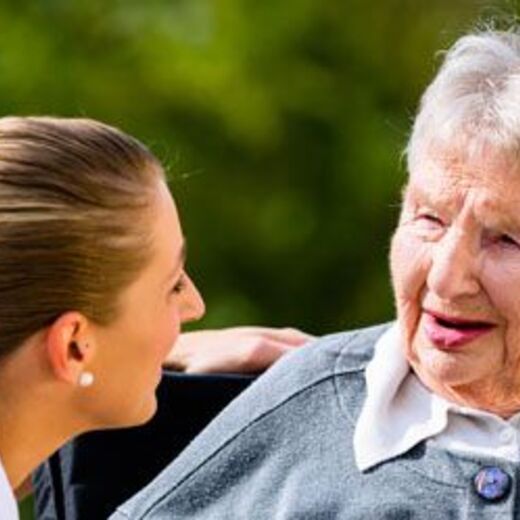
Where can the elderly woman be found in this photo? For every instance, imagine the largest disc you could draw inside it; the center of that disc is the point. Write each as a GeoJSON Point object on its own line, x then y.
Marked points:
{"type": "Point", "coordinates": [414, 420]}
{"type": "Point", "coordinates": [93, 291]}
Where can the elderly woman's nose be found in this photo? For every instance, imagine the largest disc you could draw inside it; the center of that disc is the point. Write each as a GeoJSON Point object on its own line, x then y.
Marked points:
{"type": "Point", "coordinates": [453, 269]}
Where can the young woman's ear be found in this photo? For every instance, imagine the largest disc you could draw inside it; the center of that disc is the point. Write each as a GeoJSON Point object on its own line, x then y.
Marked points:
{"type": "Point", "coordinates": [69, 350]}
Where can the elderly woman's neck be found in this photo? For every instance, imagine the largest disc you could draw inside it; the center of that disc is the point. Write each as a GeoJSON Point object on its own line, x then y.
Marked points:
{"type": "Point", "coordinates": [484, 395]}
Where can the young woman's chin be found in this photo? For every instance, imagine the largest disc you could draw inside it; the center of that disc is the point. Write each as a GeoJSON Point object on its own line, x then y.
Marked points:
{"type": "Point", "coordinates": [145, 414]}
{"type": "Point", "coordinates": [137, 416]}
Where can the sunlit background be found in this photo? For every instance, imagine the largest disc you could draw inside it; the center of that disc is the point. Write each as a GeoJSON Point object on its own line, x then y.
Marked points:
{"type": "Point", "coordinates": [281, 124]}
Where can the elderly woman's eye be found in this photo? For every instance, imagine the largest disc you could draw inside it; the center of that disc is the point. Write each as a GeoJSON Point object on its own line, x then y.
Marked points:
{"type": "Point", "coordinates": [430, 218]}
{"type": "Point", "coordinates": [508, 240]}
{"type": "Point", "coordinates": [427, 225]}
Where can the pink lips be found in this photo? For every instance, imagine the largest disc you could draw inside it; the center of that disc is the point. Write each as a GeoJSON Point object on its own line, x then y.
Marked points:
{"type": "Point", "coordinates": [447, 332]}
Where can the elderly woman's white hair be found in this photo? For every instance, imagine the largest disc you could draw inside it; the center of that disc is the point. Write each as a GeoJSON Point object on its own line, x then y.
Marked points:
{"type": "Point", "coordinates": [473, 102]}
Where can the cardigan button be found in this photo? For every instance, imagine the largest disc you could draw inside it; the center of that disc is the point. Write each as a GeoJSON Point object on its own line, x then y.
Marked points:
{"type": "Point", "coordinates": [492, 483]}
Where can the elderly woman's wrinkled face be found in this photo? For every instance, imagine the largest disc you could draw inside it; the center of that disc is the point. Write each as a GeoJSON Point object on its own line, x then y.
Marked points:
{"type": "Point", "coordinates": [455, 264]}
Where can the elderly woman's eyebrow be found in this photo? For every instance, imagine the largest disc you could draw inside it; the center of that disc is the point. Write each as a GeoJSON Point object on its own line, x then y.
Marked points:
{"type": "Point", "coordinates": [507, 223]}
{"type": "Point", "coordinates": [433, 197]}
{"type": "Point", "coordinates": [411, 191]}
{"type": "Point", "coordinates": [499, 214]}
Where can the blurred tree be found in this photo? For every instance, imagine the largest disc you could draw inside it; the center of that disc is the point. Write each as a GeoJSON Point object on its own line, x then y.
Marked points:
{"type": "Point", "coordinates": [282, 125]}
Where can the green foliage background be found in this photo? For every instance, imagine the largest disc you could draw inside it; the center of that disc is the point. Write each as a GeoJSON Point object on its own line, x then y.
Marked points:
{"type": "Point", "coordinates": [281, 124]}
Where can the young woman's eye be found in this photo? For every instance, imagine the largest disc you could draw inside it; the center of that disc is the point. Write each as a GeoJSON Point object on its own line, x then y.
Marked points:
{"type": "Point", "coordinates": [179, 285]}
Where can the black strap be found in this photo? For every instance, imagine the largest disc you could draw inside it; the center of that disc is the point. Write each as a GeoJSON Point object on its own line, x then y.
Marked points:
{"type": "Point", "coordinates": [57, 486]}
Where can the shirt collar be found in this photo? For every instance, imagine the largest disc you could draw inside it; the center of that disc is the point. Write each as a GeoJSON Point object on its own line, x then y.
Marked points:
{"type": "Point", "coordinates": [399, 412]}
{"type": "Point", "coordinates": [8, 506]}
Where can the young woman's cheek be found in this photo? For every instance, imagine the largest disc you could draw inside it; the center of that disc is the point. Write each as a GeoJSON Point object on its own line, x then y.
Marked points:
{"type": "Point", "coordinates": [171, 330]}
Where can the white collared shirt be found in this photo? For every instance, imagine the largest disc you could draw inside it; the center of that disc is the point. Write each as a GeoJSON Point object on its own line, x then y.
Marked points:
{"type": "Point", "coordinates": [399, 412]}
{"type": "Point", "coordinates": [8, 507]}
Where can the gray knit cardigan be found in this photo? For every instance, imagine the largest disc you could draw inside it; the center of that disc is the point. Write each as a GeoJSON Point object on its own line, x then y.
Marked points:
{"type": "Point", "coordinates": [283, 450]}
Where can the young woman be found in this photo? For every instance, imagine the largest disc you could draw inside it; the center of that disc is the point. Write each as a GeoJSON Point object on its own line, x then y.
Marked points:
{"type": "Point", "coordinates": [93, 290]}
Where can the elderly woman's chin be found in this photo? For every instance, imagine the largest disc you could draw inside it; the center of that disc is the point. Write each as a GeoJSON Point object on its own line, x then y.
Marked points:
{"type": "Point", "coordinates": [475, 372]}
{"type": "Point", "coordinates": [442, 366]}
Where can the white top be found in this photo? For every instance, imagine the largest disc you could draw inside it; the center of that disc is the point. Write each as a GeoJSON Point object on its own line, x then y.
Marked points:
{"type": "Point", "coordinates": [399, 412]}
{"type": "Point", "coordinates": [8, 507]}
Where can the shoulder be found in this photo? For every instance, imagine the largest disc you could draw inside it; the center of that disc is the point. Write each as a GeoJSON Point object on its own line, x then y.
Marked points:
{"type": "Point", "coordinates": [319, 361]}
{"type": "Point", "coordinates": [299, 390]}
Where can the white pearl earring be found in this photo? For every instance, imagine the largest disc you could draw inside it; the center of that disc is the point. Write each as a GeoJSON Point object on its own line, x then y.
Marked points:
{"type": "Point", "coordinates": [86, 379]}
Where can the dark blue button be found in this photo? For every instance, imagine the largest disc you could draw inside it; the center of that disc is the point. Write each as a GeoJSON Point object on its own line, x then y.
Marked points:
{"type": "Point", "coordinates": [492, 483]}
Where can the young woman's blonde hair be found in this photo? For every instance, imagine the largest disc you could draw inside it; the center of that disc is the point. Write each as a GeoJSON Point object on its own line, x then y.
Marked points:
{"type": "Point", "coordinates": [74, 225]}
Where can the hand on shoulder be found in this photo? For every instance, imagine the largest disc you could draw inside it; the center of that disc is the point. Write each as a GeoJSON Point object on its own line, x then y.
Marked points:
{"type": "Point", "coordinates": [234, 349]}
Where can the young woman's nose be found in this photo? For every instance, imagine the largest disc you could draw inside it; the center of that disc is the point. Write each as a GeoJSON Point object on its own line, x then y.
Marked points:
{"type": "Point", "coordinates": [192, 306]}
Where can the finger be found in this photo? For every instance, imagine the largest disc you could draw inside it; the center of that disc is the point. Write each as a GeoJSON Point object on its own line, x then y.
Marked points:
{"type": "Point", "coordinates": [250, 358]}
{"type": "Point", "coordinates": [288, 335]}
{"type": "Point", "coordinates": [263, 355]}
